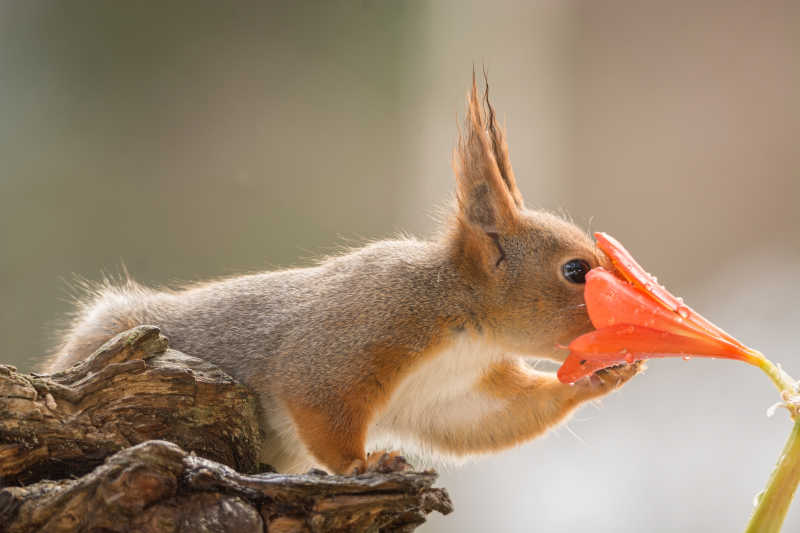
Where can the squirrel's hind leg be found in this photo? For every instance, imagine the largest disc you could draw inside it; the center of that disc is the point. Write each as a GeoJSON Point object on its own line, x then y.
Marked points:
{"type": "Point", "coordinates": [338, 439]}
{"type": "Point", "coordinates": [333, 434]}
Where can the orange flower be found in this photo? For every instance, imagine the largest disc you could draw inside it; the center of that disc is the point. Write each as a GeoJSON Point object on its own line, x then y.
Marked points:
{"type": "Point", "coordinates": [636, 318]}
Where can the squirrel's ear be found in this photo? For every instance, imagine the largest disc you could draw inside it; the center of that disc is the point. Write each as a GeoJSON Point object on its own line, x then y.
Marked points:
{"type": "Point", "coordinates": [485, 187]}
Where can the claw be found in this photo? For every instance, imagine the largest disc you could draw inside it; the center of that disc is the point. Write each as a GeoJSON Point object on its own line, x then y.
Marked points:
{"type": "Point", "coordinates": [386, 462]}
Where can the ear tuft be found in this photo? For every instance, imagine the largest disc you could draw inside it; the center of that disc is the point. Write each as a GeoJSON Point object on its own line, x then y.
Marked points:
{"type": "Point", "coordinates": [486, 190]}
{"type": "Point", "coordinates": [497, 136]}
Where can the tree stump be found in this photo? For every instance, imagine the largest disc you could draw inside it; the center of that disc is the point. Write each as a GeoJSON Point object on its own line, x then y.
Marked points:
{"type": "Point", "coordinates": [108, 419]}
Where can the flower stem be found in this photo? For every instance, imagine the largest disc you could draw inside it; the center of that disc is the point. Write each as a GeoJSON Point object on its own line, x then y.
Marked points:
{"type": "Point", "coordinates": [774, 502]}
{"type": "Point", "coordinates": [781, 379]}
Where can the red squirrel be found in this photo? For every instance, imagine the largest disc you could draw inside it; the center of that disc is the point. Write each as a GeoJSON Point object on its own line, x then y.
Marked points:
{"type": "Point", "coordinates": [414, 345]}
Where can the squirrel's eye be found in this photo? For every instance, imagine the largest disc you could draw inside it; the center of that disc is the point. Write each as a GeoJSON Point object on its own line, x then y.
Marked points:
{"type": "Point", "coordinates": [575, 270]}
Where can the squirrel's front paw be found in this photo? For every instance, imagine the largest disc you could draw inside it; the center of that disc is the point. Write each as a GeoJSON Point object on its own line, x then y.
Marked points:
{"type": "Point", "coordinates": [608, 380]}
{"type": "Point", "coordinates": [382, 462]}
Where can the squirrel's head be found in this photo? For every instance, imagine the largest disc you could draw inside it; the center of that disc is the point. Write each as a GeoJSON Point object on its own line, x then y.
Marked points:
{"type": "Point", "coordinates": [526, 268]}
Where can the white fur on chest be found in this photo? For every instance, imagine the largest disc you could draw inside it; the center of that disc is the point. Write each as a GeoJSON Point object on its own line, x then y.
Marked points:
{"type": "Point", "coordinates": [440, 394]}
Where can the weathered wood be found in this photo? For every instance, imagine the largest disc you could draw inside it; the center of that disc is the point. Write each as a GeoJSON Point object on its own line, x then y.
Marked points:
{"type": "Point", "coordinates": [157, 487]}
{"type": "Point", "coordinates": [120, 406]}
{"type": "Point", "coordinates": [131, 390]}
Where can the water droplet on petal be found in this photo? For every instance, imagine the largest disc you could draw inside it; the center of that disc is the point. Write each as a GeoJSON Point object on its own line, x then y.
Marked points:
{"type": "Point", "coordinates": [683, 311]}
{"type": "Point", "coordinates": [629, 358]}
{"type": "Point", "coordinates": [686, 357]}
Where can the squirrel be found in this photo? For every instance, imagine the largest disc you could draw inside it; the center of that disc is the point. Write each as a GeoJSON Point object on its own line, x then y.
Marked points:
{"type": "Point", "coordinates": [421, 346]}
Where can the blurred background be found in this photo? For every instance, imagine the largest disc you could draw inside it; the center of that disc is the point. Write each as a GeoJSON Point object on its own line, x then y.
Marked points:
{"type": "Point", "coordinates": [192, 139]}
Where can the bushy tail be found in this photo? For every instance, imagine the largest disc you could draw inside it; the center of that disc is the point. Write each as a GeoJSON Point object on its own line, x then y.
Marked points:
{"type": "Point", "coordinates": [102, 309]}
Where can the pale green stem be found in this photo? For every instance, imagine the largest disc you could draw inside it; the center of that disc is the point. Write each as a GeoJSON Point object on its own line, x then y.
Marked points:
{"type": "Point", "coordinates": [781, 379]}
{"type": "Point", "coordinates": [774, 502]}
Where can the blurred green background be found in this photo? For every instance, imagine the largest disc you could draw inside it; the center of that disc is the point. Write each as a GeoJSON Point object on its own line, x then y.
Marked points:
{"type": "Point", "coordinates": [199, 139]}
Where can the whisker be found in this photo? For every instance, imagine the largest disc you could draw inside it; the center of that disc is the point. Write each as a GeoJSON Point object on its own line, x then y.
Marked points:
{"type": "Point", "coordinates": [565, 311]}
{"type": "Point", "coordinates": [577, 437]}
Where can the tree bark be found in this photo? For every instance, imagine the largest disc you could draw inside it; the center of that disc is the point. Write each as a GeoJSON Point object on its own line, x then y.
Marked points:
{"type": "Point", "coordinates": [120, 405]}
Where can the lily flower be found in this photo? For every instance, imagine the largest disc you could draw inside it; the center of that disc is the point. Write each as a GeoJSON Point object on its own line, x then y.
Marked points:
{"type": "Point", "coordinates": [636, 319]}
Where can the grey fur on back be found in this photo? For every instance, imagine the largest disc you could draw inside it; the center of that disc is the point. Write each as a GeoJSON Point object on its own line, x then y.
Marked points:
{"type": "Point", "coordinates": [263, 316]}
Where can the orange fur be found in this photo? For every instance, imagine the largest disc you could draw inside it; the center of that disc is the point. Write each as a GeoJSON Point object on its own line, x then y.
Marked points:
{"type": "Point", "coordinates": [336, 440]}
{"type": "Point", "coordinates": [335, 431]}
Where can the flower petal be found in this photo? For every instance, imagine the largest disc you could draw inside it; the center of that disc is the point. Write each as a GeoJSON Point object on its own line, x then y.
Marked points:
{"type": "Point", "coordinates": [621, 339]}
{"type": "Point", "coordinates": [626, 343]}
{"type": "Point", "coordinates": [611, 301]}
{"type": "Point", "coordinates": [576, 366]}
{"type": "Point", "coordinates": [634, 273]}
